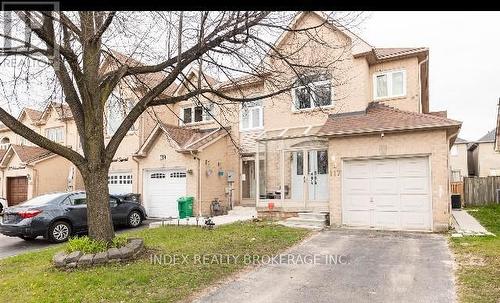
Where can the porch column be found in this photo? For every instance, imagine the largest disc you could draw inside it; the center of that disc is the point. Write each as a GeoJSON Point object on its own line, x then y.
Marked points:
{"type": "Point", "coordinates": [257, 176]}
{"type": "Point", "coordinates": [282, 166]}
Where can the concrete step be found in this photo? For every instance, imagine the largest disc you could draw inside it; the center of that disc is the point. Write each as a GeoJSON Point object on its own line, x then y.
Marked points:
{"type": "Point", "coordinates": [319, 223]}
{"type": "Point", "coordinates": [310, 215]}
{"type": "Point", "coordinates": [294, 225]}
{"type": "Point", "coordinates": [243, 210]}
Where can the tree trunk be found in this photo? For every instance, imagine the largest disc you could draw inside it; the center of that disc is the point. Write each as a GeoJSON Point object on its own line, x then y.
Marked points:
{"type": "Point", "coordinates": [98, 210]}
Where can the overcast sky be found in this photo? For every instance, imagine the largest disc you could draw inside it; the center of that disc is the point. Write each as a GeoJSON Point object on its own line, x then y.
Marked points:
{"type": "Point", "coordinates": [464, 59]}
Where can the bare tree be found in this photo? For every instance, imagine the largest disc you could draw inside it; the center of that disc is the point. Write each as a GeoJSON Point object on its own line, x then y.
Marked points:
{"type": "Point", "coordinates": [75, 52]}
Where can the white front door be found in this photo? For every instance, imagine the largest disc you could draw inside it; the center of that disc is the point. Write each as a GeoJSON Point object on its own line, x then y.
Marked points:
{"type": "Point", "coordinates": [387, 193]}
{"type": "Point", "coordinates": [163, 188]}
{"type": "Point", "coordinates": [318, 175]}
{"type": "Point", "coordinates": [120, 183]}
{"type": "Point", "coordinates": [297, 175]}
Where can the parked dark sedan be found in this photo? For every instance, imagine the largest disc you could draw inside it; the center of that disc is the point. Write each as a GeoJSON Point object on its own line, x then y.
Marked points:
{"type": "Point", "coordinates": [57, 216]}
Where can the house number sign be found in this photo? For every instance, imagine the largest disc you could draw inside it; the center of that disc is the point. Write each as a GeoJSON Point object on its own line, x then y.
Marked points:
{"type": "Point", "coordinates": [163, 157]}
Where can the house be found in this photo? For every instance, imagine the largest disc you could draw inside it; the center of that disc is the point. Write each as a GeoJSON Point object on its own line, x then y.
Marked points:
{"type": "Point", "coordinates": [484, 158]}
{"type": "Point", "coordinates": [357, 140]}
{"type": "Point", "coordinates": [459, 166]}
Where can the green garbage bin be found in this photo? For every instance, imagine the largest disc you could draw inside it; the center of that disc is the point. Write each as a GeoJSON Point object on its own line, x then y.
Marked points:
{"type": "Point", "coordinates": [185, 206]}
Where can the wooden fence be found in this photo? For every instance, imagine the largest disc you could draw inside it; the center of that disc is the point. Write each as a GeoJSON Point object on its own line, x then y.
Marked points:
{"type": "Point", "coordinates": [481, 191]}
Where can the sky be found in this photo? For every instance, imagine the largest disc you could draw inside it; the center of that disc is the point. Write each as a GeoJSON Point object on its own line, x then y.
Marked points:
{"type": "Point", "coordinates": [464, 60]}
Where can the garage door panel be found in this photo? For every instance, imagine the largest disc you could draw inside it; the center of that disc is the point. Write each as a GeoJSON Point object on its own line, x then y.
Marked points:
{"type": "Point", "coordinates": [358, 169]}
{"type": "Point", "coordinates": [386, 202]}
{"type": "Point", "coordinates": [163, 188]}
{"type": "Point", "coordinates": [415, 203]}
{"type": "Point", "coordinates": [384, 186]}
{"type": "Point", "coordinates": [415, 221]}
{"type": "Point", "coordinates": [358, 202]}
{"type": "Point", "coordinates": [413, 167]}
{"type": "Point", "coordinates": [357, 218]}
{"type": "Point", "coordinates": [414, 185]}
{"type": "Point", "coordinates": [357, 186]}
{"type": "Point", "coordinates": [385, 168]}
{"type": "Point", "coordinates": [386, 219]}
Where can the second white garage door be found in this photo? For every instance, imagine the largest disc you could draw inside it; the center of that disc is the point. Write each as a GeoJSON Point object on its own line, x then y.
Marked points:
{"type": "Point", "coordinates": [387, 193]}
{"type": "Point", "coordinates": [163, 188]}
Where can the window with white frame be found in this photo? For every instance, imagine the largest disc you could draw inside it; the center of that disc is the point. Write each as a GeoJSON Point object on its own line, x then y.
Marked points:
{"type": "Point", "coordinates": [251, 115]}
{"type": "Point", "coordinates": [4, 143]}
{"type": "Point", "coordinates": [494, 171]}
{"type": "Point", "coordinates": [196, 114]}
{"type": "Point", "coordinates": [55, 134]}
{"type": "Point", "coordinates": [454, 150]}
{"type": "Point", "coordinates": [312, 91]}
{"type": "Point", "coordinates": [389, 84]}
{"type": "Point", "coordinates": [116, 111]}
{"type": "Point", "coordinates": [456, 175]}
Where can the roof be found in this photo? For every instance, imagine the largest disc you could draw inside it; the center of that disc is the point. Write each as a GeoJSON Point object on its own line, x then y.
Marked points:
{"type": "Point", "coordinates": [2, 152]}
{"type": "Point", "coordinates": [63, 110]}
{"type": "Point", "coordinates": [489, 137]}
{"type": "Point", "coordinates": [27, 154]}
{"type": "Point", "coordinates": [379, 117]}
{"type": "Point", "coordinates": [33, 114]}
{"type": "Point", "coordinates": [185, 139]}
{"type": "Point", "coordinates": [390, 52]}
{"type": "Point", "coordinates": [461, 141]}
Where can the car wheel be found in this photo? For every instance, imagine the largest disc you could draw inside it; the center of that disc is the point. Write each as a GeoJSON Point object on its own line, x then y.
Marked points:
{"type": "Point", "coordinates": [28, 238]}
{"type": "Point", "coordinates": [59, 232]}
{"type": "Point", "coordinates": [134, 219]}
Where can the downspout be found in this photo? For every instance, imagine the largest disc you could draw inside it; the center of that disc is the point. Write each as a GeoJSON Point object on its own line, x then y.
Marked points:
{"type": "Point", "coordinates": [138, 177]}
{"type": "Point", "coordinates": [198, 188]}
{"type": "Point", "coordinates": [420, 83]}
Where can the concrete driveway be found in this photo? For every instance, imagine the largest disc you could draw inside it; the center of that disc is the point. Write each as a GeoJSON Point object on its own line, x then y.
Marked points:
{"type": "Point", "coordinates": [381, 267]}
{"type": "Point", "coordinates": [11, 246]}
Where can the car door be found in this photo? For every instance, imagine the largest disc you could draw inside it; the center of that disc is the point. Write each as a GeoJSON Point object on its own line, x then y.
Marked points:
{"type": "Point", "coordinates": [119, 210]}
{"type": "Point", "coordinates": [75, 207]}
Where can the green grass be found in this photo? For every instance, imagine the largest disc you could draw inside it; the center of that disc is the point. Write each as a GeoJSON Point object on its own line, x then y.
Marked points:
{"type": "Point", "coordinates": [31, 278]}
{"type": "Point", "coordinates": [479, 259]}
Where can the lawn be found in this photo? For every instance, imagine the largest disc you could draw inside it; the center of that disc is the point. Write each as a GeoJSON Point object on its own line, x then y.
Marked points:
{"type": "Point", "coordinates": [479, 260]}
{"type": "Point", "coordinates": [31, 278]}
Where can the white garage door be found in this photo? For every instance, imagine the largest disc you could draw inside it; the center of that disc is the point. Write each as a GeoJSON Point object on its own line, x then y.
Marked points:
{"type": "Point", "coordinates": [120, 183]}
{"type": "Point", "coordinates": [387, 193]}
{"type": "Point", "coordinates": [163, 188]}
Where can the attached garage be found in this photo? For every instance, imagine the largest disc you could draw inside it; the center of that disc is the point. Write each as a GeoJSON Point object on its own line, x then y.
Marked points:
{"type": "Point", "coordinates": [120, 183]}
{"type": "Point", "coordinates": [387, 193]}
{"type": "Point", "coordinates": [162, 189]}
{"type": "Point", "coordinates": [17, 190]}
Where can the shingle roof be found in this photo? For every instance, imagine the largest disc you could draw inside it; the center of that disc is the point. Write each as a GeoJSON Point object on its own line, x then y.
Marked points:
{"type": "Point", "coordinates": [191, 139]}
{"type": "Point", "coordinates": [460, 141]}
{"type": "Point", "coordinates": [33, 114]}
{"type": "Point", "coordinates": [63, 110]}
{"type": "Point", "coordinates": [2, 152]}
{"type": "Point", "coordinates": [380, 117]}
{"type": "Point", "coordinates": [27, 154]}
{"type": "Point", "coordinates": [489, 137]}
{"type": "Point", "coordinates": [389, 52]}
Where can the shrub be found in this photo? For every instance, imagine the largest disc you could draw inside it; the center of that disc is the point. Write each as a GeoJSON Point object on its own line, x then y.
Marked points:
{"type": "Point", "coordinates": [89, 246]}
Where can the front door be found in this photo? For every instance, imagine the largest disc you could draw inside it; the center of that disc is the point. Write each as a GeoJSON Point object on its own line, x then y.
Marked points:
{"type": "Point", "coordinates": [317, 175]}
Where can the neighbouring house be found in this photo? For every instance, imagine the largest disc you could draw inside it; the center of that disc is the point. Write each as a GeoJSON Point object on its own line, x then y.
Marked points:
{"type": "Point", "coordinates": [485, 160]}
{"type": "Point", "coordinates": [459, 165]}
{"type": "Point", "coordinates": [356, 140]}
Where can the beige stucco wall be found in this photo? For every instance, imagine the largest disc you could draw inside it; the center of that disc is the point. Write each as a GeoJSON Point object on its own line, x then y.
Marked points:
{"type": "Point", "coordinates": [416, 143]}
{"type": "Point", "coordinates": [15, 168]}
{"type": "Point", "coordinates": [487, 158]}
{"type": "Point", "coordinates": [459, 162]}
{"type": "Point", "coordinates": [48, 179]}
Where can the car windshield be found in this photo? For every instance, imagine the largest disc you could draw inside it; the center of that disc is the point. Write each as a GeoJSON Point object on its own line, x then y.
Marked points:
{"type": "Point", "coordinates": [42, 200]}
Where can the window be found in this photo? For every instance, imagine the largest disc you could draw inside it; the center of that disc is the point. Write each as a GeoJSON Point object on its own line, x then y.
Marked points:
{"type": "Point", "coordinates": [120, 179]}
{"type": "Point", "coordinates": [300, 163]}
{"type": "Point", "coordinates": [117, 109]}
{"type": "Point", "coordinates": [456, 175]}
{"type": "Point", "coordinates": [389, 84]}
{"type": "Point", "coordinates": [158, 176]}
{"type": "Point", "coordinates": [55, 134]}
{"type": "Point", "coordinates": [322, 158]}
{"type": "Point", "coordinates": [78, 200]}
{"type": "Point", "coordinates": [494, 172]}
{"type": "Point", "coordinates": [194, 114]}
{"type": "Point", "coordinates": [312, 91]}
{"type": "Point", "coordinates": [178, 175]}
{"type": "Point", "coordinates": [4, 143]}
{"type": "Point", "coordinates": [454, 150]}
{"type": "Point", "coordinates": [251, 115]}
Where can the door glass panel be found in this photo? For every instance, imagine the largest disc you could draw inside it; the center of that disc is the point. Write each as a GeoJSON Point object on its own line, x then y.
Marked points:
{"type": "Point", "coordinates": [294, 175]}
{"type": "Point", "coordinates": [248, 185]}
{"type": "Point", "coordinates": [322, 162]}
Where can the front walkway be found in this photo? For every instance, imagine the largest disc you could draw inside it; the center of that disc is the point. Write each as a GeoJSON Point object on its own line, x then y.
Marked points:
{"type": "Point", "coordinates": [467, 225]}
{"type": "Point", "coordinates": [239, 213]}
{"type": "Point", "coordinates": [381, 267]}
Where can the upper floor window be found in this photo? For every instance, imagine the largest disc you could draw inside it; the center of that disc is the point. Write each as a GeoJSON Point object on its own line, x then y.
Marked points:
{"type": "Point", "coordinates": [117, 109]}
{"type": "Point", "coordinates": [55, 134]}
{"type": "Point", "coordinates": [4, 143]}
{"type": "Point", "coordinates": [194, 114]}
{"type": "Point", "coordinates": [311, 91]}
{"type": "Point", "coordinates": [389, 84]}
{"type": "Point", "coordinates": [454, 150]}
{"type": "Point", "coordinates": [251, 116]}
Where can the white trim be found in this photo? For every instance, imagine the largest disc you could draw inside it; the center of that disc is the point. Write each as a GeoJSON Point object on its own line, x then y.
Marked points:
{"type": "Point", "coordinates": [192, 107]}
{"type": "Point", "coordinates": [389, 75]}
{"type": "Point", "coordinates": [250, 117]}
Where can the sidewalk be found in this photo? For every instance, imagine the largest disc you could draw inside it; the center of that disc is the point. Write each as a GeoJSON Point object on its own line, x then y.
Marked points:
{"type": "Point", "coordinates": [239, 213]}
{"type": "Point", "coordinates": [467, 225]}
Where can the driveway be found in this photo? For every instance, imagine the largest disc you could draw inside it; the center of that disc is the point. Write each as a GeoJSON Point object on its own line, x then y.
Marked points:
{"type": "Point", "coordinates": [371, 267]}
{"type": "Point", "coordinates": [11, 246]}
